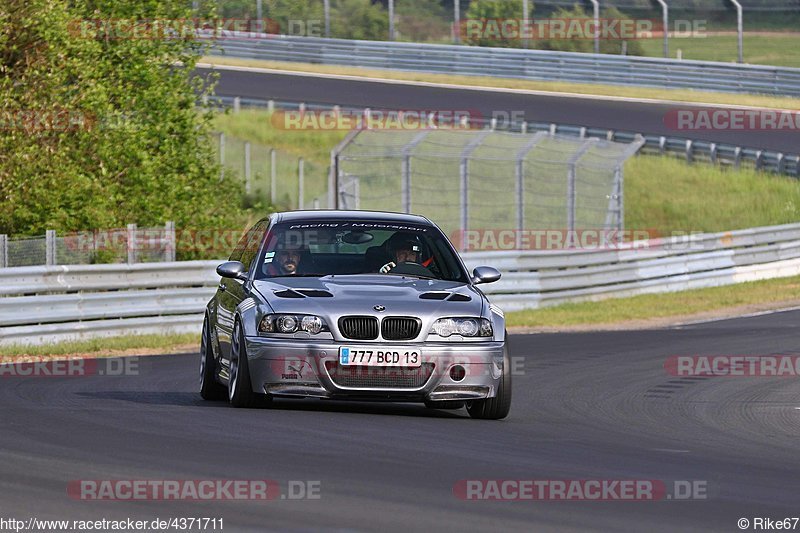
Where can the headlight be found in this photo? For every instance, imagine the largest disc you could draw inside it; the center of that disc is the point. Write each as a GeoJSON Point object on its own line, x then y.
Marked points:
{"type": "Point", "coordinates": [291, 324]}
{"type": "Point", "coordinates": [466, 327]}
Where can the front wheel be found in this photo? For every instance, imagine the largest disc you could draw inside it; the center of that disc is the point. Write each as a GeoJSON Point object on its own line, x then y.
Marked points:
{"type": "Point", "coordinates": [240, 389]}
{"type": "Point", "coordinates": [210, 389]}
{"type": "Point", "coordinates": [499, 406]}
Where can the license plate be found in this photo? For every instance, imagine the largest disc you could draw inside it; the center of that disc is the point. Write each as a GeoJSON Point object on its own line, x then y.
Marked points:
{"type": "Point", "coordinates": [376, 356]}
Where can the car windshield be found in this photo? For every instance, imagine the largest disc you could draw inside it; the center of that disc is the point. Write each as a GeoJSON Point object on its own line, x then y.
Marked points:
{"type": "Point", "coordinates": [330, 247]}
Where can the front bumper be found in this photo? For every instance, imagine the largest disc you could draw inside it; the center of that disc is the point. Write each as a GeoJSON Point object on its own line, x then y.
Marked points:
{"type": "Point", "coordinates": [307, 368]}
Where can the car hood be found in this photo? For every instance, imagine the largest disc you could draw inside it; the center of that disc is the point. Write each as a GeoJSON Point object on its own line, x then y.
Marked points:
{"type": "Point", "coordinates": [334, 296]}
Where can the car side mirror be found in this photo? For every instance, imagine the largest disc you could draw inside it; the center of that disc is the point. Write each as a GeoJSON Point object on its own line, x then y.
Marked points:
{"type": "Point", "coordinates": [485, 274]}
{"type": "Point", "coordinates": [232, 270]}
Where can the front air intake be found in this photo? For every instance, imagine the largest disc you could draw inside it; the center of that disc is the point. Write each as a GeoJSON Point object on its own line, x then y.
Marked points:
{"type": "Point", "coordinates": [400, 328]}
{"type": "Point", "coordinates": [361, 328]}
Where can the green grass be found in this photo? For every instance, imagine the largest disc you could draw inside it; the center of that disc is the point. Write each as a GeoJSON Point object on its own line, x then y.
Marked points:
{"type": "Point", "coordinates": [123, 345]}
{"type": "Point", "coordinates": [775, 49]}
{"type": "Point", "coordinates": [757, 294]}
{"type": "Point", "coordinates": [668, 194]}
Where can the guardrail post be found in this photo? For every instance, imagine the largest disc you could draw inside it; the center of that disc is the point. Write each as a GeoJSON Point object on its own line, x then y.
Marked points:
{"type": "Point", "coordinates": [326, 10]}
{"type": "Point", "coordinates": [3, 250]}
{"type": "Point", "coordinates": [237, 104]}
{"type": "Point", "coordinates": [688, 151]}
{"type": "Point", "coordinates": [132, 244]}
{"type": "Point", "coordinates": [572, 168]}
{"type": "Point", "coordinates": [759, 159]}
{"type": "Point", "coordinates": [665, 22]}
{"type": "Point", "coordinates": [391, 20]}
{"type": "Point", "coordinates": [221, 156]}
{"type": "Point", "coordinates": [300, 184]}
{"type": "Point", "coordinates": [405, 170]}
{"type": "Point", "coordinates": [463, 168]}
{"type": "Point", "coordinates": [596, 6]}
{"type": "Point", "coordinates": [169, 242]}
{"type": "Point", "coordinates": [247, 167]}
{"type": "Point", "coordinates": [781, 163]}
{"type": "Point", "coordinates": [273, 176]}
{"type": "Point", "coordinates": [456, 21]}
{"type": "Point", "coordinates": [333, 181]}
{"type": "Point", "coordinates": [662, 144]}
{"type": "Point", "coordinates": [50, 247]}
{"type": "Point", "coordinates": [737, 157]}
{"type": "Point", "coordinates": [712, 152]}
{"type": "Point", "coordinates": [739, 29]}
{"type": "Point", "coordinates": [520, 185]}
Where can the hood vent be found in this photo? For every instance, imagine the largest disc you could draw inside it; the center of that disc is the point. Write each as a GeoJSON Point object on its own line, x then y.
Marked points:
{"type": "Point", "coordinates": [315, 293]}
{"type": "Point", "coordinates": [302, 293]}
{"type": "Point", "coordinates": [434, 295]}
{"type": "Point", "coordinates": [449, 296]}
{"type": "Point", "coordinates": [288, 293]}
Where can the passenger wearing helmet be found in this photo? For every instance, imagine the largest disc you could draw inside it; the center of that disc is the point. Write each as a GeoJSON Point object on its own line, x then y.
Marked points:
{"type": "Point", "coordinates": [406, 251]}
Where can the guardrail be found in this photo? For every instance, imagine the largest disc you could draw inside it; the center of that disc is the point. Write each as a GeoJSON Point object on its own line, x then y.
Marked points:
{"type": "Point", "coordinates": [49, 304]}
{"type": "Point", "coordinates": [538, 65]}
{"type": "Point", "coordinates": [690, 149]}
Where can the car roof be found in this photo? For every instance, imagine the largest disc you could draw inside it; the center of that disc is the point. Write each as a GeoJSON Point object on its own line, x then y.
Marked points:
{"type": "Point", "coordinates": [334, 214]}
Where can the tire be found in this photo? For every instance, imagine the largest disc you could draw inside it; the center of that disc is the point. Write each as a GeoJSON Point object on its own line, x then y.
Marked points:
{"type": "Point", "coordinates": [240, 389]}
{"type": "Point", "coordinates": [210, 389]}
{"type": "Point", "coordinates": [499, 406]}
{"type": "Point", "coordinates": [444, 404]}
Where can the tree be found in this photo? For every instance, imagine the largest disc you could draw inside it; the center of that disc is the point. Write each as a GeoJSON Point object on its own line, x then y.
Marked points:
{"type": "Point", "coordinates": [483, 22]}
{"type": "Point", "coordinates": [101, 124]}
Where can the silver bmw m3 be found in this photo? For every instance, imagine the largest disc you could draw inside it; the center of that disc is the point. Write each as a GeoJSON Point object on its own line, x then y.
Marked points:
{"type": "Point", "coordinates": [354, 305]}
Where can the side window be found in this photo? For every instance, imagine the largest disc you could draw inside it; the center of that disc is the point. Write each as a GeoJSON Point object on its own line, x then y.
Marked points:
{"type": "Point", "coordinates": [253, 241]}
{"type": "Point", "coordinates": [236, 255]}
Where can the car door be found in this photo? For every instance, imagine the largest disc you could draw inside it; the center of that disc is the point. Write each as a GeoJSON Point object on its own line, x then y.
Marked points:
{"type": "Point", "coordinates": [232, 291]}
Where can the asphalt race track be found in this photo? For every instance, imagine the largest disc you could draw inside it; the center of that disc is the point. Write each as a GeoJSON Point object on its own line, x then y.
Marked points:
{"type": "Point", "coordinates": [591, 112]}
{"type": "Point", "coordinates": [587, 406]}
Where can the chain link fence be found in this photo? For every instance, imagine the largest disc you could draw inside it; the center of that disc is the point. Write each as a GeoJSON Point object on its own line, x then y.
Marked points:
{"type": "Point", "coordinates": [486, 180]}
{"type": "Point", "coordinates": [286, 181]}
{"type": "Point", "coordinates": [119, 245]}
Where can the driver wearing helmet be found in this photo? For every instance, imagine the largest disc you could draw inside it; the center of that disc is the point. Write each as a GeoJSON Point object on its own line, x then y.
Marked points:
{"type": "Point", "coordinates": [403, 248]}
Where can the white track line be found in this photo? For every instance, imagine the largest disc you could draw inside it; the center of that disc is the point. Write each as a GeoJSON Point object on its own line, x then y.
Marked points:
{"type": "Point", "coordinates": [479, 88]}
{"type": "Point", "coordinates": [748, 315]}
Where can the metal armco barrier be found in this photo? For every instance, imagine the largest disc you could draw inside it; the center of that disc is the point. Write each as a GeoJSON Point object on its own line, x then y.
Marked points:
{"type": "Point", "coordinates": [49, 304]}
{"type": "Point", "coordinates": [538, 65]}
